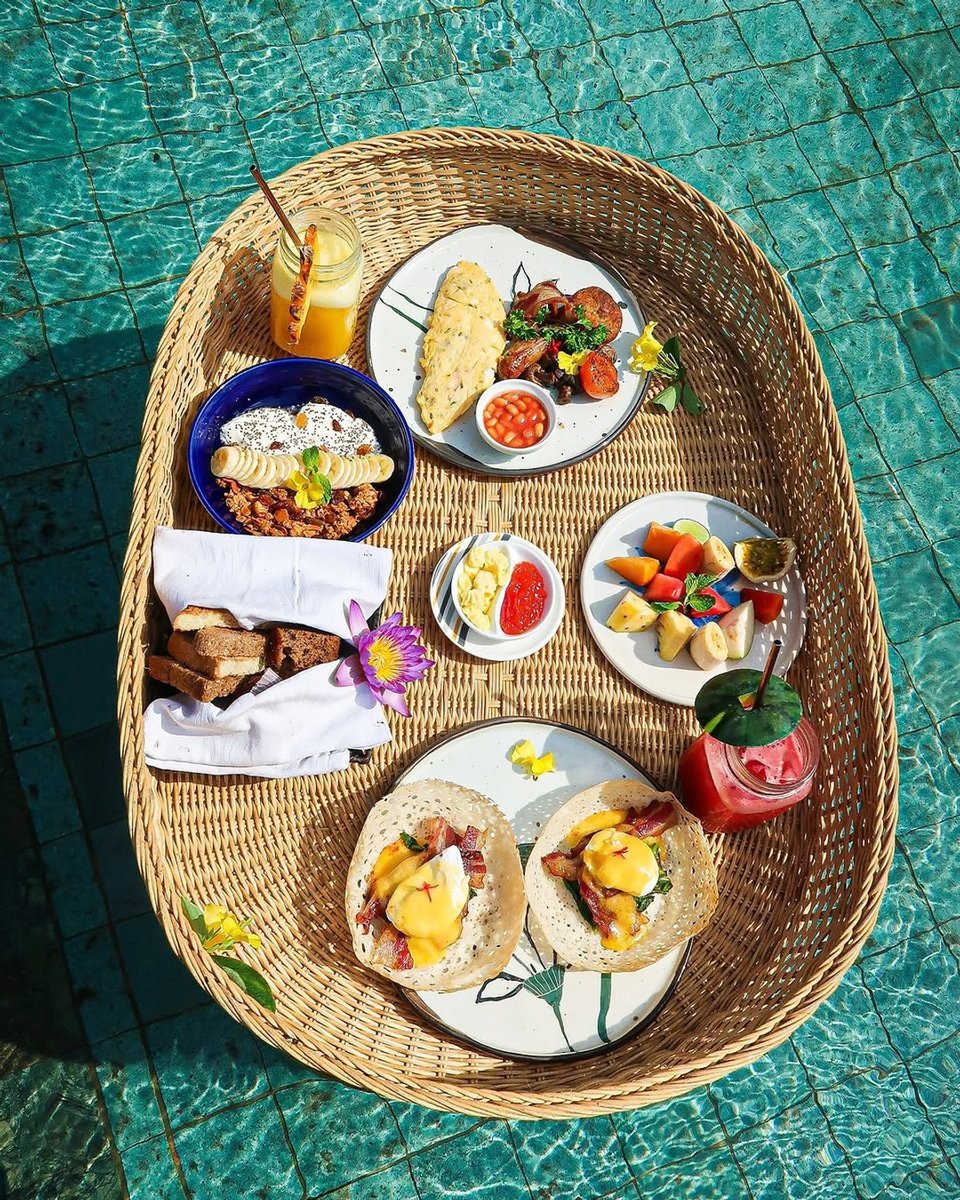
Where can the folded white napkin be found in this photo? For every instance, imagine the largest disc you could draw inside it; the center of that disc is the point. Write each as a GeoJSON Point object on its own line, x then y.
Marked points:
{"type": "Point", "coordinates": [305, 725]}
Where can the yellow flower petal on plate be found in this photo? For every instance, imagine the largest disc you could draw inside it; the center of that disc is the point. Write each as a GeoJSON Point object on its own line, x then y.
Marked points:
{"type": "Point", "coordinates": [542, 766]}
{"type": "Point", "coordinates": [522, 752]}
{"type": "Point", "coordinates": [213, 915]}
{"type": "Point", "coordinates": [571, 363]}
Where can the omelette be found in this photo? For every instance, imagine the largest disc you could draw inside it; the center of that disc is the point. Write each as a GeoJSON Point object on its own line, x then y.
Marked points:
{"type": "Point", "coordinates": [463, 344]}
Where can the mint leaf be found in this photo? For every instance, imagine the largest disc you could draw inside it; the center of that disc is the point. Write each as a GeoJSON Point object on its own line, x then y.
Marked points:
{"type": "Point", "coordinates": [311, 459]}
{"type": "Point", "coordinates": [700, 604]}
{"type": "Point", "coordinates": [667, 398]}
{"type": "Point", "coordinates": [411, 843]}
{"type": "Point", "coordinates": [664, 605]}
{"type": "Point", "coordinates": [325, 486]}
{"type": "Point", "coordinates": [695, 583]}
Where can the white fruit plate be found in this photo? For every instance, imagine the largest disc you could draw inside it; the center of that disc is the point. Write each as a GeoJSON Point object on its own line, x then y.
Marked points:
{"type": "Point", "coordinates": [635, 655]}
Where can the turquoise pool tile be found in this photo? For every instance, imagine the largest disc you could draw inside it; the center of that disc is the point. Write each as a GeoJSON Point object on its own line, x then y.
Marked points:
{"type": "Point", "coordinates": [137, 176]}
{"type": "Point", "coordinates": [92, 51]}
{"type": "Point", "coordinates": [841, 391]}
{"type": "Point", "coordinates": [49, 511]}
{"type": "Point", "coordinates": [676, 11]}
{"type": "Point", "coordinates": [170, 35]}
{"type": "Point", "coordinates": [292, 136]}
{"type": "Point", "coordinates": [930, 332]}
{"type": "Point", "coordinates": [708, 1175]}
{"type": "Point", "coordinates": [70, 268]}
{"type": "Point", "coordinates": [910, 426]}
{"type": "Point", "coordinates": [755, 227]}
{"type": "Point", "coordinates": [122, 885]}
{"type": "Point", "coordinates": [36, 127]}
{"type": "Point", "coordinates": [150, 1173]}
{"type": "Point", "coordinates": [46, 786]}
{"type": "Point", "coordinates": [917, 991]}
{"type": "Point", "coordinates": [19, 293]}
{"type": "Point", "coordinates": [675, 121]}
{"type": "Point", "coordinates": [113, 476]}
{"type": "Point", "coordinates": [943, 244]}
{"type": "Point", "coordinates": [929, 784]}
{"type": "Point", "coordinates": [484, 1165]}
{"type": "Point", "coordinates": [775, 168]}
{"type": "Point", "coordinates": [904, 132]}
{"type": "Point", "coordinates": [874, 355]}
{"type": "Point", "coordinates": [927, 487]}
{"type": "Point", "coordinates": [743, 106]}
{"type": "Point", "coordinates": [109, 112]}
{"type": "Point", "coordinates": [23, 700]}
{"type": "Point", "coordinates": [671, 1132]}
{"type": "Point", "coordinates": [932, 60]}
{"type": "Point", "coordinates": [271, 81]}
{"type": "Point", "coordinates": [395, 1183]}
{"type": "Point", "coordinates": [840, 149]}
{"type": "Point", "coordinates": [873, 75]}
{"type": "Point", "coordinates": [107, 410]}
{"type": "Point", "coordinates": [948, 558]}
{"type": "Point", "coordinates": [74, 10]}
{"type": "Point", "coordinates": [421, 1127]}
{"type": "Point", "coordinates": [563, 23]}
{"type": "Point", "coordinates": [217, 1155]}
{"type": "Point", "coordinates": [809, 90]}
{"type": "Point", "coordinates": [379, 111]}
{"type": "Point", "coordinates": [580, 1158]}
{"type": "Point", "coordinates": [896, 1139]}
{"type": "Point", "coordinates": [711, 48]}
{"type": "Point", "coordinates": [128, 1090]}
{"type": "Point", "coordinates": [936, 1074]}
{"type": "Point", "coordinates": [829, 1059]}
{"type": "Point", "coordinates": [205, 1062]}
{"type": "Point", "coordinates": [152, 246]}
{"type": "Point", "coordinates": [777, 33]}
{"type": "Point", "coordinates": [50, 195]}
{"type": "Point", "coordinates": [515, 97]}
{"type": "Point", "coordinates": [19, 14]}
{"type": "Point", "coordinates": [321, 1112]}
{"type": "Point", "coordinates": [806, 228]}
{"type": "Point", "coordinates": [74, 891]}
{"type": "Point", "coordinates": [248, 26]}
{"type": "Point", "coordinates": [98, 985]}
{"type": "Point", "coordinates": [152, 305]}
{"type": "Point", "coordinates": [16, 633]}
{"type": "Point", "coordinates": [837, 291]}
{"type": "Point", "coordinates": [906, 276]}
{"type": "Point", "coordinates": [931, 851]}
{"type": "Point", "coordinates": [904, 912]}
{"type": "Point", "coordinates": [282, 1070]}
{"type": "Point", "coordinates": [87, 336]}
{"type": "Point", "coordinates": [72, 593]}
{"type": "Point", "coordinates": [376, 12]}
{"type": "Point", "coordinates": [610, 17]}
{"type": "Point", "coordinates": [858, 204]}
{"type": "Point", "coordinates": [162, 985]}
{"type": "Point", "coordinates": [24, 357]}
{"type": "Point", "coordinates": [613, 125]}
{"type": "Point", "coordinates": [485, 39]}
{"type": "Point", "coordinates": [93, 761]}
{"type": "Point", "coordinates": [930, 189]}
{"type": "Point", "coordinates": [414, 50]}
{"type": "Point", "coordinates": [938, 1180]}
{"type": "Point", "coordinates": [646, 63]}
{"type": "Point", "coordinates": [189, 96]}
{"type": "Point", "coordinates": [577, 78]}
{"type": "Point", "coordinates": [208, 215]}
{"type": "Point", "coordinates": [907, 16]}
{"type": "Point", "coordinates": [83, 668]}
{"type": "Point", "coordinates": [712, 173]}
{"type": "Point", "coordinates": [793, 1155]}
{"type": "Point", "coordinates": [835, 26]}
{"type": "Point", "coordinates": [307, 20]}
{"type": "Point", "coordinates": [863, 448]}
{"type": "Point", "coordinates": [118, 546]}
{"type": "Point", "coordinates": [943, 109]}
{"type": "Point", "coordinates": [343, 64]}
{"type": "Point", "coordinates": [752, 1094]}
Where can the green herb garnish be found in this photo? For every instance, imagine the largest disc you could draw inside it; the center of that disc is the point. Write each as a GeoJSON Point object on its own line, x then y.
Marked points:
{"type": "Point", "coordinates": [411, 843]}
{"type": "Point", "coordinates": [577, 336]}
{"type": "Point", "coordinates": [311, 469]}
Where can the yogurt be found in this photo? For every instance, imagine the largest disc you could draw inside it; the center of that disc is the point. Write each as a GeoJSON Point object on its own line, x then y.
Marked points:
{"type": "Point", "coordinates": [291, 431]}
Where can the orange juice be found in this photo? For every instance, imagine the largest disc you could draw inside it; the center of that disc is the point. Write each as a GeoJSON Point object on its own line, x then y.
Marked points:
{"type": "Point", "coordinates": [334, 291]}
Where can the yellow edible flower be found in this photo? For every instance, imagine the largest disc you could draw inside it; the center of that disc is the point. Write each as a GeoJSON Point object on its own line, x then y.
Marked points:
{"type": "Point", "coordinates": [224, 930]}
{"type": "Point", "coordinates": [645, 352]}
{"type": "Point", "coordinates": [308, 494]}
{"type": "Point", "coordinates": [570, 363]}
{"type": "Point", "coordinates": [524, 755]}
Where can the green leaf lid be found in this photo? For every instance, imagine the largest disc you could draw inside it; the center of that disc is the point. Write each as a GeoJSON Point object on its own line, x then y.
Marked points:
{"type": "Point", "coordinates": [722, 708]}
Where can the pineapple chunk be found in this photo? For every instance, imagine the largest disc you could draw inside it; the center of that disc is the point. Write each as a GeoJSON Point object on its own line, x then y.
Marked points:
{"type": "Point", "coordinates": [674, 630]}
{"type": "Point", "coordinates": [632, 615]}
{"type": "Point", "coordinates": [708, 647]}
{"type": "Point", "coordinates": [717, 559]}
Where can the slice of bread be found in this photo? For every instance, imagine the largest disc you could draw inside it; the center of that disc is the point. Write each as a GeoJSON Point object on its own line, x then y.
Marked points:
{"type": "Point", "coordinates": [292, 650]}
{"type": "Point", "coordinates": [183, 647]}
{"type": "Point", "coordinates": [217, 642]}
{"type": "Point", "coordinates": [185, 679]}
{"type": "Point", "coordinates": [196, 617]}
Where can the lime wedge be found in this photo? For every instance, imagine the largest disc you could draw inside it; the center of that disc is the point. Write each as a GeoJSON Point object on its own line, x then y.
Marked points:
{"type": "Point", "coordinates": [694, 528]}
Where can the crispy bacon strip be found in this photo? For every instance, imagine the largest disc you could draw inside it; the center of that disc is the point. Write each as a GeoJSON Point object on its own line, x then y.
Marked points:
{"type": "Point", "coordinates": [563, 866]}
{"type": "Point", "coordinates": [373, 909]}
{"type": "Point", "coordinates": [474, 863]}
{"type": "Point", "coordinates": [593, 899]}
{"type": "Point", "coordinates": [298, 296]}
{"type": "Point", "coordinates": [559, 305]}
{"type": "Point", "coordinates": [391, 950]}
{"type": "Point", "coordinates": [653, 820]}
{"type": "Point", "coordinates": [440, 835]}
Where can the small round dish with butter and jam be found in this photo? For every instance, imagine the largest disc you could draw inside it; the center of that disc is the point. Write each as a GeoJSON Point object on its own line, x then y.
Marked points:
{"type": "Point", "coordinates": [497, 596]}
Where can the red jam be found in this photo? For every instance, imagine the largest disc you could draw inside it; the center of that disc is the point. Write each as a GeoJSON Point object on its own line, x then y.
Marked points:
{"type": "Point", "coordinates": [524, 601]}
{"type": "Point", "coordinates": [736, 787]}
{"type": "Point", "coordinates": [515, 419]}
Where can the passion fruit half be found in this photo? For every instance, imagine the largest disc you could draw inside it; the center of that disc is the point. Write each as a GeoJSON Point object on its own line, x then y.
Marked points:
{"type": "Point", "coordinates": [765, 560]}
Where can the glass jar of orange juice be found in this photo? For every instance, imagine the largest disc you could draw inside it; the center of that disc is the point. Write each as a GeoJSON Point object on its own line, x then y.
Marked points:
{"type": "Point", "coordinates": [334, 291]}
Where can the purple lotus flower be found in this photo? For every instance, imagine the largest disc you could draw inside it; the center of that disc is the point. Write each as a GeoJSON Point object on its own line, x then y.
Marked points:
{"type": "Point", "coordinates": [387, 658]}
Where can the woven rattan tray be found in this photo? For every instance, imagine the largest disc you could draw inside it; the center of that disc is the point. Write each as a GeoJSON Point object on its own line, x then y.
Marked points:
{"type": "Point", "coordinates": [798, 895]}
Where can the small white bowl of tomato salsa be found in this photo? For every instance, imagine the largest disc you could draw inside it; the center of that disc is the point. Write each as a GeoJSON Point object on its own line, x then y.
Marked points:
{"type": "Point", "coordinates": [515, 416]}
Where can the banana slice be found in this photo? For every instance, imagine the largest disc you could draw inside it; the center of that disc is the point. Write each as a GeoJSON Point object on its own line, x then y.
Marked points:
{"type": "Point", "coordinates": [386, 467]}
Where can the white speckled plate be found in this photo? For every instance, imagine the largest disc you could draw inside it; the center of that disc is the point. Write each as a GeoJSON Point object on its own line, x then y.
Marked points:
{"type": "Point", "coordinates": [535, 1007]}
{"type": "Point", "coordinates": [514, 261]}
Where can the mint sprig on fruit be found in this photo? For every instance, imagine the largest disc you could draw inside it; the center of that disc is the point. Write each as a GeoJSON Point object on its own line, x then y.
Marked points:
{"type": "Point", "coordinates": [693, 597]}
{"type": "Point", "coordinates": [311, 468]}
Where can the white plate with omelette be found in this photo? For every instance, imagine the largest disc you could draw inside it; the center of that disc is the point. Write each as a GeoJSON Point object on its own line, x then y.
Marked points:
{"type": "Point", "coordinates": [400, 319]}
{"type": "Point", "coordinates": [535, 1008]}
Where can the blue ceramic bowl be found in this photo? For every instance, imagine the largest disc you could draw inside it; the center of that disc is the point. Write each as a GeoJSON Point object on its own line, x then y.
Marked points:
{"type": "Point", "coordinates": [291, 383]}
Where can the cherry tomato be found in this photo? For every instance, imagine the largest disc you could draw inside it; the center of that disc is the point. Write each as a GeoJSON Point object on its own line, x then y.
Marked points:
{"type": "Point", "coordinates": [598, 376]}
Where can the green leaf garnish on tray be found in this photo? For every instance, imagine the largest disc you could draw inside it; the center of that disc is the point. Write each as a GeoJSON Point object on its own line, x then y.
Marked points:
{"type": "Point", "coordinates": [663, 359]}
